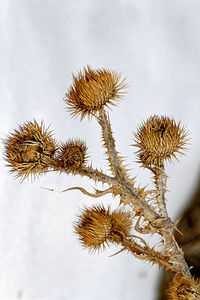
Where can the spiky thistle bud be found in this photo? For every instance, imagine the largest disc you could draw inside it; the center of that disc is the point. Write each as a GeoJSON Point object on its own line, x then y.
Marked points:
{"type": "Point", "coordinates": [70, 156]}
{"type": "Point", "coordinates": [29, 149]}
{"type": "Point", "coordinates": [183, 288]}
{"type": "Point", "coordinates": [98, 226]}
{"type": "Point", "coordinates": [159, 139]}
{"type": "Point", "coordinates": [92, 90]}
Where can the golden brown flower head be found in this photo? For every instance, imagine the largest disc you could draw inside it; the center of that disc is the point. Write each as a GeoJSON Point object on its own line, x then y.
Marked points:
{"type": "Point", "coordinates": [159, 139]}
{"type": "Point", "coordinates": [70, 156]}
{"type": "Point", "coordinates": [92, 90]}
{"type": "Point", "coordinates": [98, 226]}
{"type": "Point", "coordinates": [183, 288]}
{"type": "Point", "coordinates": [29, 149]}
{"type": "Point", "coordinates": [121, 225]}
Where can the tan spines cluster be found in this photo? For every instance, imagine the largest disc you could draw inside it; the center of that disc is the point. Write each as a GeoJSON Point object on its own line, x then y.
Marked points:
{"type": "Point", "coordinates": [94, 227]}
{"type": "Point", "coordinates": [183, 288]}
{"type": "Point", "coordinates": [159, 139]}
{"type": "Point", "coordinates": [98, 226]}
{"type": "Point", "coordinates": [121, 225]}
{"type": "Point", "coordinates": [92, 90]}
{"type": "Point", "coordinates": [29, 150]}
{"type": "Point", "coordinates": [70, 156]}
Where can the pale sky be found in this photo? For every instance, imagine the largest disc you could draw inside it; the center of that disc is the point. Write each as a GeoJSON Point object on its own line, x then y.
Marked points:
{"type": "Point", "coordinates": [155, 44]}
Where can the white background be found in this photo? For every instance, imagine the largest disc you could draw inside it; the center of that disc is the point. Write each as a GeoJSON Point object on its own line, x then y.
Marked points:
{"type": "Point", "coordinates": [156, 45]}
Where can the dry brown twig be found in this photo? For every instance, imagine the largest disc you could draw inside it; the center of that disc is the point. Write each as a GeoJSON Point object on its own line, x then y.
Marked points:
{"type": "Point", "coordinates": [31, 150]}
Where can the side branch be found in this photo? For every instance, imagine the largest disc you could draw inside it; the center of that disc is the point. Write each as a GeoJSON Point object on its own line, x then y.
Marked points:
{"type": "Point", "coordinates": [132, 195]}
{"type": "Point", "coordinates": [123, 189]}
{"type": "Point", "coordinates": [157, 223]}
{"type": "Point", "coordinates": [144, 252]}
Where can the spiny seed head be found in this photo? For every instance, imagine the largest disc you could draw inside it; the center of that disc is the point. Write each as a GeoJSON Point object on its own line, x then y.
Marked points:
{"type": "Point", "coordinates": [183, 288]}
{"type": "Point", "coordinates": [98, 226]}
{"type": "Point", "coordinates": [122, 224]}
{"type": "Point", "coordinates": [70, 156]}
{"type": "Point", "coordinates": [94, 227]}
{"type": "Point", "coordinates": [29, 149]}
{"type": "Point", "coordinates": [159, 139]}
{"type": "Point", "coordinates": [92, 90]}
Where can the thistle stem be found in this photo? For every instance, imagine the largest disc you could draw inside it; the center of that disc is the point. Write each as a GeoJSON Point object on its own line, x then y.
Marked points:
{"type": "Point", "coordinates": [121, 188]}
{"type": "Point", "coordinates": [118, 169]}
{"type": "Point", "coordinates": [96, 175]}
{"type": "Point", "coordinates": [114, 160]}
{"type": "Point", "coordinates": [171, 246]}
{"type": "Point", "coordinates": [147, 253]}
{"type": "Point", "coordinates": [160, 182]}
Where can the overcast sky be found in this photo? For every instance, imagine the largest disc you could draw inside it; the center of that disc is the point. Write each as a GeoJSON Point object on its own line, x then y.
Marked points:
{"type": "Point", "coordinates": [155, 44]}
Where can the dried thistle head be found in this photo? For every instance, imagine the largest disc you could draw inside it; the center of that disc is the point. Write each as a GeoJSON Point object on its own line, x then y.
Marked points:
{"type": "Point", "coordinates": [159, 139]}
{"type": "Point", "coordinates": [121, 225]}
{"type": "Point", "coordinates": [92, 90]}
{"type": "Point", "coordinates": [98, 226]}
{"type": "Point", "coordinates": [183, 288]}
{"type": "Point", "coordinates": [70, 156]}
{"type": "Point", "coordinates": [29, 149]}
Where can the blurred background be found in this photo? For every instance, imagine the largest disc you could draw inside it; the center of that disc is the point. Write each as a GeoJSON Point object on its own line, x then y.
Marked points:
{"type": "Point", "coordinates": [155, 44]}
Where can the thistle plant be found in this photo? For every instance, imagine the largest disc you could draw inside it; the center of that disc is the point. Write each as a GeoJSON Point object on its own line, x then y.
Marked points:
{"type": "Point", "coordinates": [30, 151]}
